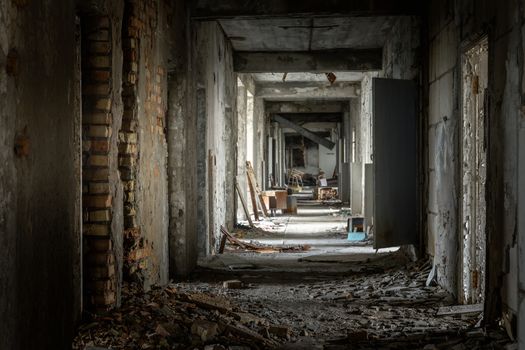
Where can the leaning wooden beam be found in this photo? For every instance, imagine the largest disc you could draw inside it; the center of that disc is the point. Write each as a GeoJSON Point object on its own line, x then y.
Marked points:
{"type": "Point", "coordinates": [253, 196]}
{"type": "Point", "coordinates": [225, 235]}
{"type": "Point", "coordinates": [311, 61]}
{"type": "Point", "coordinates": [305, 132]}
{"type": "Point", "coordinates": [223, 242]}
{"type": "Point", "coordinates": [244, 204]}
{"type": "Point", "coordinates": [251, 179]}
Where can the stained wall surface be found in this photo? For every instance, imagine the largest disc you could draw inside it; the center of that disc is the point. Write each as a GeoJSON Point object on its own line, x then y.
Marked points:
{"type": "Point", "coordinates": [39, 175]}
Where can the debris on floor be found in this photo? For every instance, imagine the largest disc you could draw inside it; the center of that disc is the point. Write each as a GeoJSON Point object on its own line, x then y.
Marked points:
{"type": "Point", "coordinates": [380, 307]}
{"type": "Point", "coordinates": [166, 318]}
{"type": "Point", "coordinates": [261, 248]}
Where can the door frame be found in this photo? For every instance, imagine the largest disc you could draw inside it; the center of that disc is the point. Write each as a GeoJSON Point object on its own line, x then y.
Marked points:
{"type": "Point", "coordinates": [465, 47]}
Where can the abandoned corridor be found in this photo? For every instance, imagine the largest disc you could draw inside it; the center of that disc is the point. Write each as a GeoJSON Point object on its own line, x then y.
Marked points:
{"type": "Point", "coordinates": [264, 174]}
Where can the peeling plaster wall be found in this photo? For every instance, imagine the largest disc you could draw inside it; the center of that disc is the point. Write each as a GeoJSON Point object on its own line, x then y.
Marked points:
{"type": "Point", "coordinates": [216, 77]}
{"type": "Point", "coordinates": [364, 144]}
{"type": "Point", "coordinates": [443, 148]}
{"type": "Point", "coordinates": [40, 191]}
{"type": "Point", "coordinates": [364, 139]}
{"type": "Point", "coordinates": [450, 26]}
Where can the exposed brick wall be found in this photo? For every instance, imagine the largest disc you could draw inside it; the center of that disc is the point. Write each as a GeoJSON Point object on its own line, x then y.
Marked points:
{"type": "Point", "coordinates": [138, 37]}
{"type": "Point", "coordinates": [97, 200]}
{"type": "Point", "coordinates": [128, 136]}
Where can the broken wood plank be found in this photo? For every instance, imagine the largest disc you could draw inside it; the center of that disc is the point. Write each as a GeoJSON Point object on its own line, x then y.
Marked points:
{"type": "Point", "coordinates": [251, 179]}
{"type": "Point", "coordinates": [244, 204]}
{"type": "Point", "coordinates": [246, 333]}
{"type": "Point", "coordinates": [253, 195]}
{"type": "Point", "coordinates": [209, 302]}
{"type": "Point", "coordinates": [261, 248]}
{"type": "Point", "coordinates": [223, 243]}
{"type": "Point", "coordinates": [459, 309]}
{"type": "Point", "coordinates": [232, 239]}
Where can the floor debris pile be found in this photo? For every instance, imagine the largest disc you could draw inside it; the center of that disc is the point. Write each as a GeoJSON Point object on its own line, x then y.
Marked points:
{"type": "Point", "coordinates": [166, 318]}
{"type": "Point", "coordinates": [387, 307]}
{"type": "Point", "coordinates": [252, 245]}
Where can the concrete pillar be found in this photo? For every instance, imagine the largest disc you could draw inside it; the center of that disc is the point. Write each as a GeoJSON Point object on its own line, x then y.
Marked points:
{"type": "Point", "coordinates": [242, 99]}
{"type": "Point", "coordinates": [345, 164]}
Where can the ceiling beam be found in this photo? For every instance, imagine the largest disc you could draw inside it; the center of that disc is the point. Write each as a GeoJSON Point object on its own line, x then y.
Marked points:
{"type": "Point", "coordinates": [304, 132]}
{"type": "Point", "coordinates": [313, 61]}
{"type": "Point", "coordinates": [305, 107]}
{"type": "Point", "coordinates": [212, 9]}
{"type": "Point", "coordinates": [311, 117]}
{"type": "Point", "coordinates": [294, 92]}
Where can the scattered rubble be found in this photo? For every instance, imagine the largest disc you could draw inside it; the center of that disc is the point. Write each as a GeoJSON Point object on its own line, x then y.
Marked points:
{"type": "Point", "coordinates": [380, 306]}
{"type": "Point", "coordinates": [387, 307]}
{"type": "Point", "coordinates": [166, 318]}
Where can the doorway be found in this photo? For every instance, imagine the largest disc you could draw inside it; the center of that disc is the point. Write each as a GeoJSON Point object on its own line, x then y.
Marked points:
{"type": "Point", "coordinates": [473, 151]}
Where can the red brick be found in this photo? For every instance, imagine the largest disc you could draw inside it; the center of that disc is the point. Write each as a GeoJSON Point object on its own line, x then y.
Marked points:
{"type": "Point", "coordinates": [99, 188]}
{"type": "Point", "coordinates": [99, 35]}
{"type": "Point", "coordinates": [99, 47]}
{"type": "Point", "coordinates": [99, 131]}
{"type": "Point", "coordinates": [97, 89]}
{"type": "Point", "coordinates": [102, 272]}
{"type": "Point", "coordinates": [100, 146]}
{"type": "Point", "coordinates": [97, 201]}
{"type": "Point", "coordinates": [103, 104]}
{"type": "Point", "coordinates": [97, 118]}
{"type": "Point", "coordinates": [96, 229]}
{"type": "Point", "coordinates": [99, 61]}
{"type": "Point", "coordinates": [98, 160]}
{"type": "Point", "coordinates": [106, 299]}
{"type": "Point", "coordinates": [99, 244]}
{"type": "Point", "coordinates": [100, 258]}
{"type": "Point", "coordinates": [99, 216]}
{"type": "Point", "coordinates": [100, 174]}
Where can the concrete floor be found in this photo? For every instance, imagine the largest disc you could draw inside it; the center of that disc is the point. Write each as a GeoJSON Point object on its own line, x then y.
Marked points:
{"type": "Point", "coordinates": [337, 295]}
{"type": "Point", "coordinates": [321, 227]}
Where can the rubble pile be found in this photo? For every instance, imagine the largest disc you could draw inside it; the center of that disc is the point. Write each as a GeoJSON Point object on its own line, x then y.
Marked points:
{"type": "Point", "coordinates": [376, 308]}
{"type": "Point", "coordinates": [166, 318]}
{"type": "Point", "coordinates": [389, 308]}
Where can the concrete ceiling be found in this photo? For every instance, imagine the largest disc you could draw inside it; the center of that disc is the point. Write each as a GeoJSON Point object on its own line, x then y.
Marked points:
{"type": "Point", "coordinates": [307, 77]}
{"type": "Point", "coordinates": [307, 34]}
